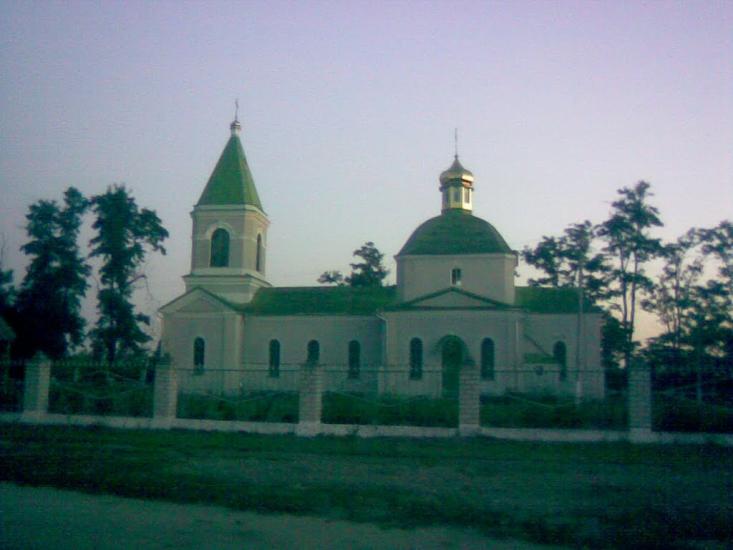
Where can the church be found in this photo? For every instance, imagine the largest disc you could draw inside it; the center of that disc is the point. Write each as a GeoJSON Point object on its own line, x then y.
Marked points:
{"type": "Point", "coordinates": [455, 303]}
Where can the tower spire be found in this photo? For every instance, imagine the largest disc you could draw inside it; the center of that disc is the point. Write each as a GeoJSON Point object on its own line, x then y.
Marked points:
{"type": "Point", "coordinates": [235, 126]}
{"type": "Point", "coordinates": [455, 142]}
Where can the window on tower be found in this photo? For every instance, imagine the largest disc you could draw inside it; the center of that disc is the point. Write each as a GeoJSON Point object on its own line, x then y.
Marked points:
{"type": "Point", "coordinates": [456, 195]}
{"type": "Point", "coordinates": [258, 259]}
{"type": "Point", "coordinates": [455, 276]}
{"type": "Point", "coordinates": [220, 248]}
{"type": "Point", "coordinates": [466, 196]}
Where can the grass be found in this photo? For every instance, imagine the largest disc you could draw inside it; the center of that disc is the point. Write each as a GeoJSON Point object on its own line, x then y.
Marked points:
{"type": "Point", "coordinates": [592, 495]}
{"type": "Point", "coordinates": [254, 407]}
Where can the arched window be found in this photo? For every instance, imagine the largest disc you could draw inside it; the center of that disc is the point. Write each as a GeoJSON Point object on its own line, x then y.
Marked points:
{"type": "Point", "coordinates": [487, 359]}
{"type": "Point", "coordinates": [274, 369]}
{"type": "Point", "coordinates": [415, 359]}
{"type": "Point", "coordinates": [314, 351]}
{"type": "Point", "coordinates": [354, 359]}
{"type": "Point", "coordinates": [455, 276]}
{"type": "Point", "coordinates": [258, 257]}
{"type": "Point", "coordinates": [220, 248]}
{"type": "Point", "coordinates": [560, 353]}
{"type": "Point", "coordinates": [199, 355]}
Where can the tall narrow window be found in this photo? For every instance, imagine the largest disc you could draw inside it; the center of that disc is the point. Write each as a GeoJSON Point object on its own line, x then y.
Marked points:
{"type": "Point", "coordinates": [415, 359]}
{"type": "Point", "coordinates": [466, 196]}
{"type": "Point", "coordinates": [314, 351]}
{"type": "Point", "coordinates": [274, 369]}
{"type": "Point", "coordinates": [487, 359]}
{"type": "Point", "coordinates": [220, 248]}
{"type": "Point", "coordinates": [199, 355]}
{"type": "Point", "coordinates": [455, 276]}
{"type": "Point", "coordinates": [456, 194]}
{"type": "Point", "coordinates": [560, 353]}
{"type": "Point", "coordinates": [354, 359]}
{"type": "Point", "coordinates": [258, 258]}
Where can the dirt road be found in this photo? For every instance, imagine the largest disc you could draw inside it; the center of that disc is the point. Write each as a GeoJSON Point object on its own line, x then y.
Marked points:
{"type": "Point", "coordinates": [42, 518]}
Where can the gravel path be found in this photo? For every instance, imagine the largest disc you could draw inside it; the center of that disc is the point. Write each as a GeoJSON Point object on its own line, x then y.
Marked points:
{"type": "Point", "coordinates": [39, 517]}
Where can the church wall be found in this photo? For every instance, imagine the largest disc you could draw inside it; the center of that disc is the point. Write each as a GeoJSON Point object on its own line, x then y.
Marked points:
{"type": "Point", "coordinates": [430, 326]}
{"type": "Point", "coordinates": [243, 224]}
{"type": "Point", "coordinates": [333, 334]}
{"type": "Point", "coordinates": [222, 334]}
{"type": "Point", "coordinates": [543, 331]}
{"type": "Point", "coordinates": [490, 275]}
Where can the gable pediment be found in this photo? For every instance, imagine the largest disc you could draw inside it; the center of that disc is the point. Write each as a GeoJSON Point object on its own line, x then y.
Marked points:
{"type": "Point", "coordinates": [452, 298]}
{"type": "Point", "coordinates": [198, 301]}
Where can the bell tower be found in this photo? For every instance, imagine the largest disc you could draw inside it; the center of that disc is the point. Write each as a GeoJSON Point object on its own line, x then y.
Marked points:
{"type": "Point", "coordinates": [229, 239]}
{"type": "Point", "coordinates": [456, 186]}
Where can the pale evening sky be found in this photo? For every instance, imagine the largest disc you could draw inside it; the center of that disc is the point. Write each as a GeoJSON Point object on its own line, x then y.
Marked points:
{"type": "Point", "coordinates": [349, 108]}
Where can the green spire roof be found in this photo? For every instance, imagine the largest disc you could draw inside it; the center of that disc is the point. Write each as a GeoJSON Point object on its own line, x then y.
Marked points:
{"type": "Point", "coordinates": [231, 181]}
{"type": "Point", "coordinates": [455, 232]}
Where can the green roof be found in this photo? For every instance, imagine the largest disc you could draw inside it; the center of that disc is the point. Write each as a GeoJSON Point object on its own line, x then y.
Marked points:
{"type": "Point", "coordinates": [320, 300]}
{"type": "Point", "coordinates": [455, 232]}
{"type": "Point", "coordinates": [6, 332]}
{"type": "Point", "coordinates": [231, 181]}
{"type": "Point", "coordinates": [539, 299]}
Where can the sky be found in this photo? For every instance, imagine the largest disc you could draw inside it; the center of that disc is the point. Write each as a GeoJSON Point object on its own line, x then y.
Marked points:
{"type": "Point", "coordinates": [349, 110]}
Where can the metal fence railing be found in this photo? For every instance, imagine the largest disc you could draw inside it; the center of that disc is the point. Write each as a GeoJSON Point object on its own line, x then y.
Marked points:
{"type": "Point", "coordinates": [124, 389]}
{"type": "Point", "coordinates": [11, 385]}
{"type": "Point", "coordinates": [685, 404]}
{"type": "Point", "coordinates": [254, 393]}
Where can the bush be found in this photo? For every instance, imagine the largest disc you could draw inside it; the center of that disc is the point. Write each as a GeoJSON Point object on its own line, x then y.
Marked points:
{"type": "Point", "coordinates": [532, 411]}
{"type": "Point", "coordinates": [253, 407]}
{"type": "Point", "coordinates": [675, 414]}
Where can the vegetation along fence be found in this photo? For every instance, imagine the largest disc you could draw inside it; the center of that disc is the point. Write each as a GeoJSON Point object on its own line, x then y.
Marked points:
{"type": "Point", "coordinates": [313, 398]}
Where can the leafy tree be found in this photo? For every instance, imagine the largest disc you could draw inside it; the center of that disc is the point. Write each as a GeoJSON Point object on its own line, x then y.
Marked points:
{"type": "Point", "coordinates": [369, 272]}
{"type": "Point", "coordinates": [49, 302]}
{"type": "Point", "coordinates": [672, 298]}
{"type": "Point", "coordinates": [124, 233]}
{"type": "Point", "coordinates": [7, 290]}
{"type": "Point", "coordinates": [569, 261]}
{"type": "Point", "coordinates": [630, 247]}
{"type": "Point", "coordinates": [697, 313]}
{"type": "Point", "coordinates": [332, 278]}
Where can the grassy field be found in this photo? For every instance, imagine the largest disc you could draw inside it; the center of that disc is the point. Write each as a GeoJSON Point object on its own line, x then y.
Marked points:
{"type": "Point", "coordinates": [597, 495]}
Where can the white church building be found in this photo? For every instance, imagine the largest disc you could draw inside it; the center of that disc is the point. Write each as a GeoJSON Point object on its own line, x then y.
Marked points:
{"type": "Point", "coordinates": [455, 303]}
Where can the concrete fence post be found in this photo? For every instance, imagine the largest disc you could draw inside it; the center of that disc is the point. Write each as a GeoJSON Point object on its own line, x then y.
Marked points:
{"type": "Point", "coordinates": [310, 402]}
{"type": "Point", "coordinates": [165, 394]}
{"type": "Point", "coordinates": [469, 400]}
{"type": "Point", "coordinates": [36, 387]}
{"type": "Point", "coordinates": [640, 403]}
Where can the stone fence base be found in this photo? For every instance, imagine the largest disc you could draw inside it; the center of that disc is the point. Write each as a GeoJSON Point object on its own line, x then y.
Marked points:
{"type": "Point", "coordinates": [340, 430]}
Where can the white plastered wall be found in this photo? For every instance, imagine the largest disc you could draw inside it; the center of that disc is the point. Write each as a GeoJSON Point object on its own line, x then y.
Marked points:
{"type": "Point", "coordinates": [489, 275]}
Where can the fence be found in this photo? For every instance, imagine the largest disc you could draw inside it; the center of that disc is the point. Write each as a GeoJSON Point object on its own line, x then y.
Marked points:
{"type": "Point", "coordinates": [355, 403]}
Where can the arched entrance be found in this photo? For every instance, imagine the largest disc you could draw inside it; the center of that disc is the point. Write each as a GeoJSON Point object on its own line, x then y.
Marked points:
{"type": "Point", "coordinates": [453, 355]}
